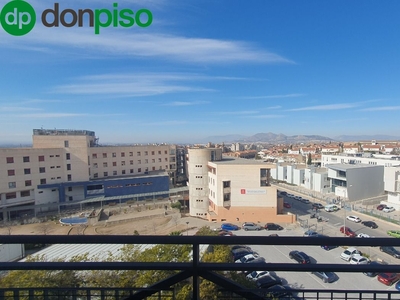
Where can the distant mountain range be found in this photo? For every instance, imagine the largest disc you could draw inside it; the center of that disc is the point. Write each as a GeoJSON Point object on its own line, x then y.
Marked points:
{"type": "Point", "coordinates": [281, 138]}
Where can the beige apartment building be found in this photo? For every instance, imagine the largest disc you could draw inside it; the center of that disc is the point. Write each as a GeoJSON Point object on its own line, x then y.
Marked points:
{"type": "Point", "coordinates": [69, 166]}
{"type": "Point", "coordinates": [232, 189]}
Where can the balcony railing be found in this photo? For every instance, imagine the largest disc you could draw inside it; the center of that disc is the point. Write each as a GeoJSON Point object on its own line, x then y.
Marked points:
{"type": "Point", "coordinates": [193, 269]}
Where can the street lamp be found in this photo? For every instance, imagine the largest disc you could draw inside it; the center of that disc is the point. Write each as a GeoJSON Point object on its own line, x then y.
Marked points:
{"type": "Point", "coordinates": [344, 207]}
{"type": "Point", "coordinates": [187, 230]}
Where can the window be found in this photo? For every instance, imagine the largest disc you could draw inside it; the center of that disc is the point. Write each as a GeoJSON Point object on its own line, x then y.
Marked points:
{"type": "Point", "coordinates": [68, 167]}
{"type": "Point", "coordinates": [123, 172]}
{"type": "Point", "coordinates": [104, 155]}
{"type": "Point", "coordinates": [122, 154]}
{"type": "Point", "coordinates": [11, 196]}
{"type": "Point", "coordinates": [139, 170]}
{"type": "Point", "coordinates": [25, 159]}
{"type": "Point", "coordinates": [138, 153]}
{"type": "Point", "coordinates": [130, 153]}
{"type": "Point", "coordinates": [226, 184]}
{"type": "Point", "coordinates": [95, 165]}
{"type": "Point", "coordinates": [114, 163]}
{"type": "Point", "coordinates": [58, 167]}
{"type": "Point", "coordinates": [70, 198]}
{"type": "Point", "coordinates": [159, 152]}
{"type": "Point", "coordinates": [104, 165]}
{"type": "Point", "coordinates": [166, 167]}
{"type": "Point", "coordinates": [227, 196]}
{"type": "Point", "coordinates": [114, 154]}
{"type": "Point", "coordinates": [153, 160]}
{"type": "Point", "coordinates": [131, 162]}
{"type": "Point", "coordinates": [68, 156]}
{"type": "Point", "coordinates": [41, 157]}
{"type": "Point", "coordinates": [12, 185]}
{"type": "Point", "coordinates": [43, 181]}
{"type": "Point", "coordinates": [131, 171]}
{"type": "Point", "coordinates": [146, 152]}
{"type": "Point", "coordinates": [25, 193]}
{"type": "Point", "coordinates": [159, 160]}
{"type": "Point", "coordinates": [69, 177]}
{"type": "Point", "coordinates": [11, 172]}
{"type": "Point", "coordinates": [153, 168]}
{"type": "Point", "coordinates": [152, 152]}
{"type": "Point", "coordinates": [42, 170]}
{"type": "Point", "coordinates": [165, 152]}
{"type": "Point", "coordinates": [94, 155]}
{"type": "Point", "coordinates": [96, 175]}
{"type": "Point", "coordinates": [139, 162]}
{"type": "Point", "coordinates": [105, 174]}
{"type": "Point", "coordinates": [166, 159]}
{"type": "Point", "coordinates": [70, 189]}
{"type": "Point", "coordinates": [28, 182]}
{"type": "Point", "coordinates": [114, 173]}
{"type": "Point", "coordinates": [122, 163]}
{"type": "Point", "coordinates": [10, 160]}
{"type": "Point", "coordinates": [66, 144]}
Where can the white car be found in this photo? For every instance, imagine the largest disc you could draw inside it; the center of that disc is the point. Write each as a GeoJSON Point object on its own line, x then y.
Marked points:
{"type": "Point", "coordinates": [348, 253]}
{"type": "Point", "coordinates": [363, 235]}
{"type": "Point", "coordinates": [246, 258]}
{"type": "Point", "coordinates": [358, 259]}
{"type": "Point", "coordinates": [388, 209]}
{"type": "Point", "coordinates": [354, 219]}
{"type": "Point", "coordinates": [257, 274]}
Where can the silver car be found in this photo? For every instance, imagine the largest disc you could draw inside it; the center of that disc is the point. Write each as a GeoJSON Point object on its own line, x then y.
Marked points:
{"type": "Point", "coordinates": [251, 226]}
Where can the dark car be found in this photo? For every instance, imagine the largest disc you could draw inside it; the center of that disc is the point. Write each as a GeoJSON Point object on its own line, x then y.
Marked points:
{"type": "Point", "coordinates": [326, 277]}
{"type": "Point", "coordinates": [286, 204]}
{"type": "Point", "coordinates": [267, 281]}
{"type": "Point", "coordinates": [278, 292]}
{"type": "Point", "coordinates": [234, 247]}
{"type": "Point", "coordinates": [388, 278]}
{"type": "Point", "coordinates": [283, 193]}
{"type": "Point", "coordinates": [300, 257]}
{"type": "Point", "coordinates": [317, 205]}
{"type": "Point", "coordinates": [239, 253]}
{"type": "Point", "coordinates": [390, 250]}
{"type": "Point", "coordinates": [381, 206]}
{"type": "Point", "coordinates": [371, 273]}
{"type": "Point", "coordinates": [370, 224]}
{"type": "Point", "coordinates": [273, 226]}
{"type": "Point", "coordinates": [328, 247]}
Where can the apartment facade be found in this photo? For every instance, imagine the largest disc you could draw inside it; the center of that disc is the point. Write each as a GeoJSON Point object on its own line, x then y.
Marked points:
{"type": "Point", "coordinates": [69, 166]}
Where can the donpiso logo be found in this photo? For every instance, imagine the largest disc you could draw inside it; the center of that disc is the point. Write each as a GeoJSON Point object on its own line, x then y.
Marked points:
{"type": "Point", "coordinates": [18, 17]}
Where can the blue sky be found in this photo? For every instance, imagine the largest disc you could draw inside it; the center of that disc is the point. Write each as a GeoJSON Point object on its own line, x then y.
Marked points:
{"type": "Point", "coordinates": [206, 68]}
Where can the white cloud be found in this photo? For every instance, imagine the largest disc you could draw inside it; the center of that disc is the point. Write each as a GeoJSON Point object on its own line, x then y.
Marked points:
{"type": "Point", "coordinates": [265, 116]}
{"type": "Point", "coordinates": [275, 96]}
{"type": "Point", "coordinates": [327, 107]}
{"type": "Point", "coordinates": [49, 115]}
{"type": "Point", "coordinates": [128, 43]}
{"type": "Point", "coordinates": [186, 103]}
{"type": "Point", "coordinates": [381, 108]}
{"type": "Point", "coordinates": [240, 112]}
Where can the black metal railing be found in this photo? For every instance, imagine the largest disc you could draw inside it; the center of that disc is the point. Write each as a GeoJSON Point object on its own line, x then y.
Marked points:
{"type": "Point", "coordinates": [193, 269]}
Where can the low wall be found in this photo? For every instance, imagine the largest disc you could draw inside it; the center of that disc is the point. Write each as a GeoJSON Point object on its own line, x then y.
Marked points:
{"type": "Point", "coordinates": [112, 222]}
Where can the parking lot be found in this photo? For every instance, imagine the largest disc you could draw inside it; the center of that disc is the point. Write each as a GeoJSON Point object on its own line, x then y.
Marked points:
{"type": "Point", "coordinates": [306, 280]}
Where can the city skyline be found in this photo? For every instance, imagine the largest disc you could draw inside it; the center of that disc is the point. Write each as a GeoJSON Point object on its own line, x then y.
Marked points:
{"type": "Point", "coordinates": [205, 69]}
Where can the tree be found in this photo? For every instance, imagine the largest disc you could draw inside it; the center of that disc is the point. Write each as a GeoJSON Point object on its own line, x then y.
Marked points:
{"type": "Point", "coordinates": [309, 162]}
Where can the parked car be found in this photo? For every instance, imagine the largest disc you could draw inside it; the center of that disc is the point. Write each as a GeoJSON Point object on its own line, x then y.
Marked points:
{"type": "Point", "coordinates": [229, 227]}
{"type": "Point", "coordinates": [390, 250]}
{"type": "Point", "coordinates": [251, 226]}
{"type": "Point", "coordinates": [300, 257]}
{"type": "Point", "coordinates": [369, 273]}
{"type": "Point", "coordinates": [381, 206]}
{"type": "Point", "coordinates": [256, 274]}
{"type": "Point", "coordinates": [298, 198]}
{"type": "Point", "coordinates": [326, 277]}
{"type": "Point", "coordinates": [287, 205]}
{"type": "Point", "coordinates": [247, 258]}
{"type": "Point", "coordinates": [267, 281]}
{"type": "Point", "coordinates": [397, 285]}
{"type": "Point", "coordinates": [388, 209]}
{"type": "Point", "coordinates": [353, 219]}
{"type": "Point", "coordinates": [388, 278]}
{"type": "Point", "coordinates": [317, 205]}
{"type": "Point", "coordinates": [239, 253]}
{"type": "Point", "coordinates": [310, 233]}
{"type": "Point", "coordinates": [370, 224]}
{"type": "Point", "coordinates": [278, 292]}
{"type": "Point", "coordinates": [363, 235]}
{"type": "Point", "coordinates": [348, 253]}
{"type": "Point", "coordinates": [358, 259]}
{"type": "Point", "coordinates": [225, 233]}
{"type": "Point", "coordinates": [273, 226]}
{"type": "Point", "coordinates": [234, 247]}
{"type": "Point", "coordinates": [347, 231]}
{"type": "Point", "coordinates": [306, 201]}
{"type": "Point", "coordinates": [283, 193]}
{"type": "Point", "coordinates": [328, 247]}
{"type": "Point", "coordinates": [394, 233]}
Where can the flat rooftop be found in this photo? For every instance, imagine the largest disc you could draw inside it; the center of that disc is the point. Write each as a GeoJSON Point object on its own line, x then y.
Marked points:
{"type": "Point", "coordinates": [344, 167]}
{"type": "Point", "coordinates": [228, 160]}
{"type": "Point", "coordinates": [63, 132]}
